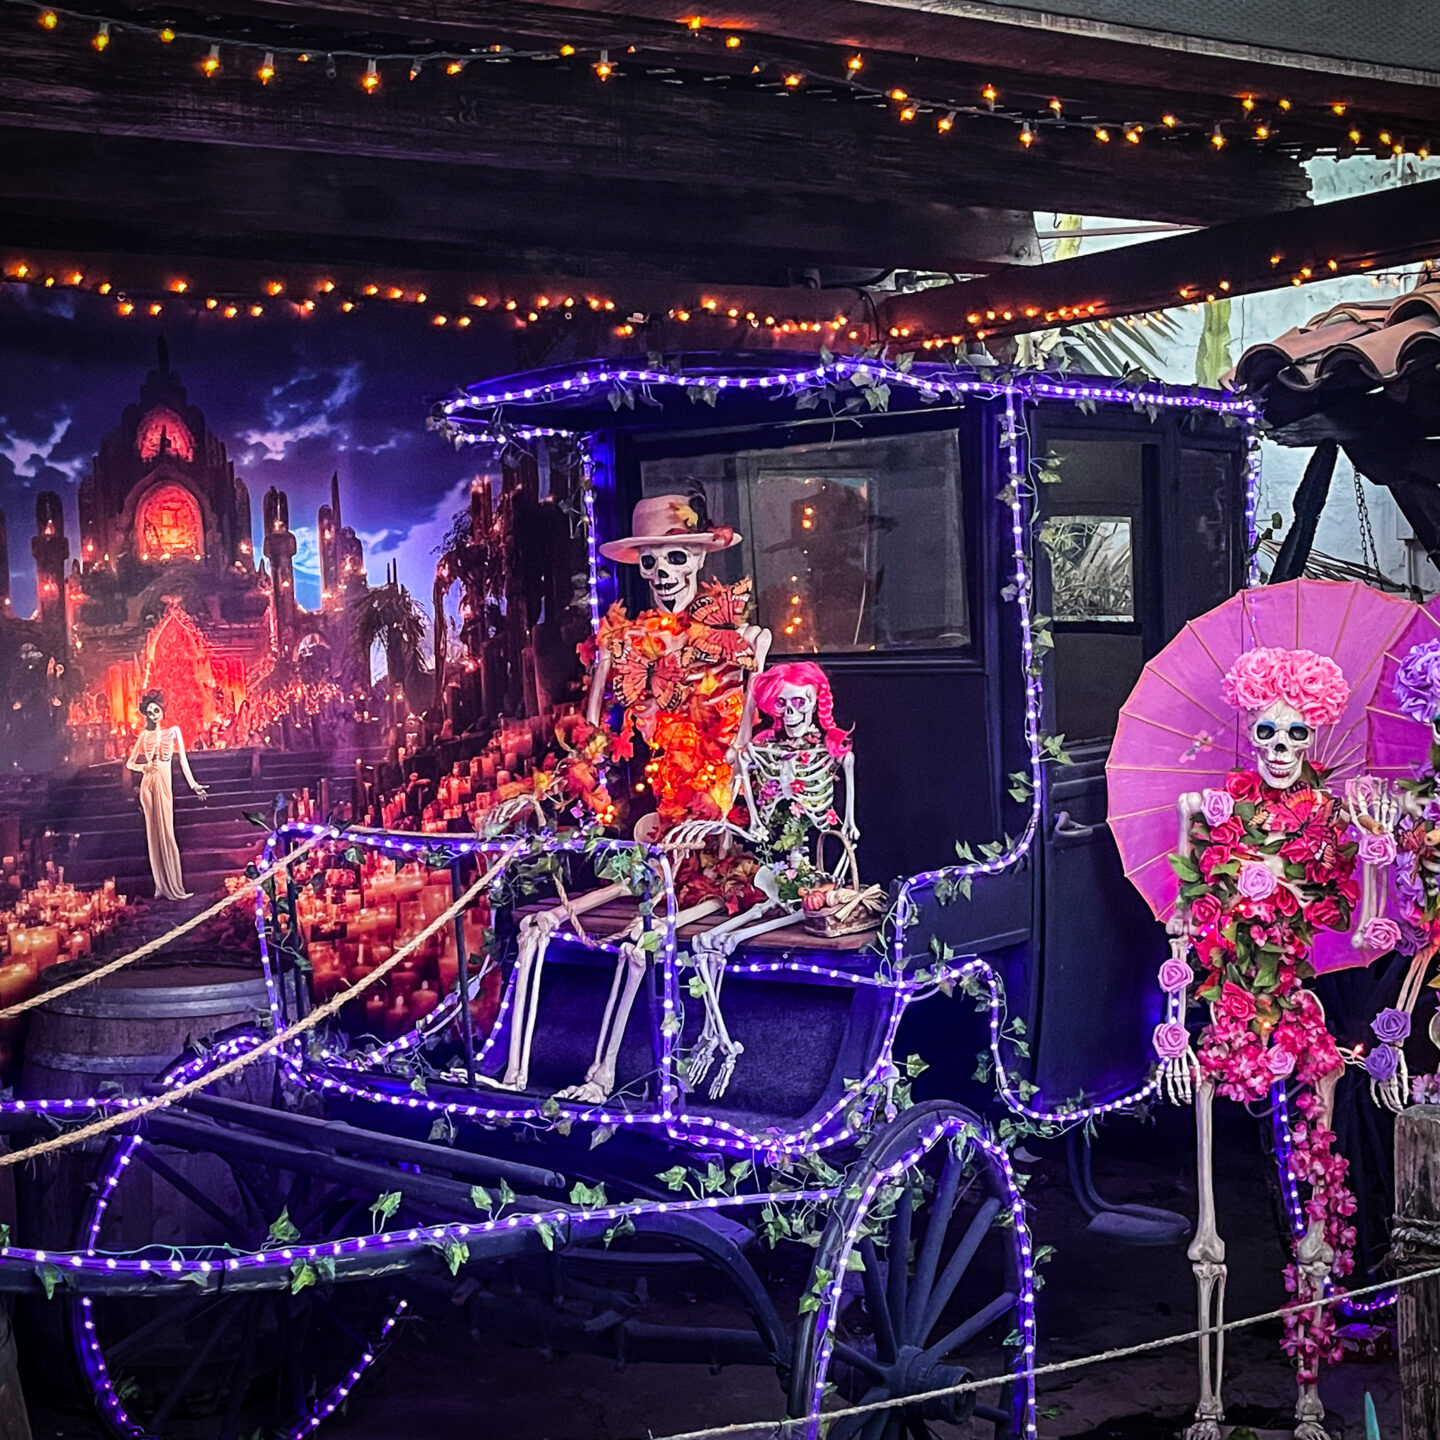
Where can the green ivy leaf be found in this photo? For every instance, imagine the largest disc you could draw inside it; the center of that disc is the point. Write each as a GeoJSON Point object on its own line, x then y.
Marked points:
{"type": "Point", "coordinates": [384, 1208]}
{"type": "Point", "coordinates": [302, 1274]}
{"type": "Point", "coordinates": [546, 1231]}
{"type": "Point", "coordinates": [507, 1195]}
{"type": "Point", "coordinates": [49, 1277]}
{"type": "Point", "coordinates": [456, 1253]}
{"type": "Point", "coordinates": [282, 1229]}
{"type": "Point", "coordinates": [674, 1177]}
{"type": "Point", "coordinates": [481, 1198]}
{"type": "Point", "coordinates": [623, 1226]}
{"type": "Point", "coordinates": [601, 1134]}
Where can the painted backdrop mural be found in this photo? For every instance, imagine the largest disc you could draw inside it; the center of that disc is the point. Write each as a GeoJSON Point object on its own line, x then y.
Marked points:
{"type": "Point", "coordinates": [232, 512]}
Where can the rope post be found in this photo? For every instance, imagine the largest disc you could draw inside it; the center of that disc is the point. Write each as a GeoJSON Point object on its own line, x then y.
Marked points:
{"type": "Point", "coordinates": [1415, 1246]}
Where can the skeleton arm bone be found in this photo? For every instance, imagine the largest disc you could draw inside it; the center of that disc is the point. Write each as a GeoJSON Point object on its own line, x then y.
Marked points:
{"type": "Point", "coordinates": [1187, 806]}
{"type": "Point", "coordinates": [760, 642]}
{"type": "Point", "coordinates": [133, 763]}
{"type": "Point", "coordinates": [595, 699]}
{"type": "Point", "coordinates": [194, 784]}
{"type": "Point", "coordinates": [848, 828]}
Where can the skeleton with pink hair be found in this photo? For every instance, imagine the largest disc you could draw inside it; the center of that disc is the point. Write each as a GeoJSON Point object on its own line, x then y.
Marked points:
{"type": "Point", "coordinates": [798, 779]}
{"type": "Point", "coordinates": [1264, 865]}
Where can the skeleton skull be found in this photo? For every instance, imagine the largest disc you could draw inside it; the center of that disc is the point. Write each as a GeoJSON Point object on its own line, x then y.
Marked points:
{"type": "Point", "coordinates": [1281, 738]}
{"type": "Point", "coordinates": [672, 571]}
{"type": "Point", "coordinates": [795, 705]}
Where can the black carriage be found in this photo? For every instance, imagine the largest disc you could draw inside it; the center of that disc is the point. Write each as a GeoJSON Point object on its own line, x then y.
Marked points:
{"type": "Point", "coordinates": [248, 1247]}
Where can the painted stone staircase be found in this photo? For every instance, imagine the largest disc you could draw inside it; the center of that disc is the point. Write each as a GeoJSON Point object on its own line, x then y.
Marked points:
{"type": "Point", "coordinates": [100, 813]}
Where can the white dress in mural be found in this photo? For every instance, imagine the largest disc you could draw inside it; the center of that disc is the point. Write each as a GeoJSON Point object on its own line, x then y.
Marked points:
{"type": "Point", "coordinates": [154, 750]}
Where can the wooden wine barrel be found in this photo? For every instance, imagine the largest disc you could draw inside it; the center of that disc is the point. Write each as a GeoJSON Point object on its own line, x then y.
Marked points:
{"type": "Point", "coordinates": [123, 1031]}
{"type": "Point", "coordinates": [14, 1419]}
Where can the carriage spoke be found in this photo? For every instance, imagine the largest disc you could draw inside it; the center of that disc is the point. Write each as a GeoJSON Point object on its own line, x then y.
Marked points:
{"type": "Point", "coordinates": [875, 1301]}
{"type": "Point", "coordinates": [899, 1259]}
{"type": "Point", "coordinates": [957, 1265]}
{"type": "Point", "coordinates": [197, 1197]}
{"type": "Point", "coordinates": [325, 1308]}
{"type": "Point", "coordinates": [181, 1313]}
{"type": "Point", "coordinates": [201, 1355]}
{"type": "Point", "coordinates": [849, 1426]}
{"type": "Point", "coordinates": [241, 1371]}
{"type": "Point", "coordinates": [999, 1306]}
{"type": "Point", "coordinates": [859, 1360]}
{"type": "Point", "coordinates": [937, 1219]}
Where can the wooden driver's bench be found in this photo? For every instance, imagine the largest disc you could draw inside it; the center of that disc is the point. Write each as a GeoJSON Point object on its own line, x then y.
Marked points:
{"type": "Point", "coordinates": [609, 920]}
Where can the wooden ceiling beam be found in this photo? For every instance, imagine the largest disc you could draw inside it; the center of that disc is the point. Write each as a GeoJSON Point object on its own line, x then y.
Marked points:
{"type": "Point", "coordinates": [1042, 45]}
{"type": "Point", "coordinates": [113, 194]}
{"type": "Point", "coordinates": [1357, 236]}
{"type": "Point", "coordinates": [560, 123]}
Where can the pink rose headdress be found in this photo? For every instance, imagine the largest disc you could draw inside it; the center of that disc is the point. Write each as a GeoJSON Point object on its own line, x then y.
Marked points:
{"type": "Point", "coordinates": [1312, 685]}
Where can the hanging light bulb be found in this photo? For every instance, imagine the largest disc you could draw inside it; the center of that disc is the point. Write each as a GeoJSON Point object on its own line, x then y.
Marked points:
{"type": "Point", "coordinates": [1102, 134]}
{"type": "Point", "coordinates": [1169, 121]}
{"type": "Point", "coordinates": [1133, 133]}
{"type": "Point", "coordinates": [370, 81]}
{"type": "Point", "coordinates": [1027, 135]}
{"type": "Point", "coordinates": [1056, 104]}
{"type": "Point", "coordinates": [602, 67]}
{"type": "Point", "coordinates": [415, 68]}
{"type": "Point", "coordinates": [48, 19]}
{"type": "Point", "coordinates": [211, 63]}
{"type": "Point", "coordinates": [1217, 137]}
{"type": "Point", "coordinates": [990, 95]}
{"type": "Point", "coordinates": [266, 72]}
{"type": "Point", "coordinates": [167, 36]}
{"type": "Point", "coordinates": [854, 63]}
{"type": "Point", "coordinates": [101, 37]}
{"type": "Point", "coordinates": [946, 123]}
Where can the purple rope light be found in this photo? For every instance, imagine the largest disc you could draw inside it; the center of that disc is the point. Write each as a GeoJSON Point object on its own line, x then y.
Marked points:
{"type": "Point", "coordinates": [1284, 1148]}
{"type": "Point", "coordinates": [828, 1315]}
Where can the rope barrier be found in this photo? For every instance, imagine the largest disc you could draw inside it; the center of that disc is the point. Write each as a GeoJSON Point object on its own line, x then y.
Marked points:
{"type": "Point", "coordinates": [151, 946]}
{"type": "Point", "coordinates": [266, 1047]}
{"type": "Point", "coordinates": [772, 1428]}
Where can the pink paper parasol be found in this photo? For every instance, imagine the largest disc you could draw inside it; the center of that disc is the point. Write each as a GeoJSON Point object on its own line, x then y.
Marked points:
{"type": "Point", "coordinates": [1176, 732]}
{"type": "Point", "coordinates": [1399, 745]}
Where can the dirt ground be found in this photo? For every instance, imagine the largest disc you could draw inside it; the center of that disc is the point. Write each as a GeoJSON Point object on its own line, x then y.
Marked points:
{"type": "Point", "coordinates": [440, 1382]}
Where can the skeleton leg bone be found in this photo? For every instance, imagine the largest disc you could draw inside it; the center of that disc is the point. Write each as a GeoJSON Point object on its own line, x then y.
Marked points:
{"type": "Point", "coordinates": [1313, 1259]}
{"type": "Point", "coordinates": [1207, 1259]}
{"type": "Point", "coordinates": [535, 934]}
{"type": "Point", "coordinates": [719, 944]}
{"type": "Point", "coordinates": [600, 1077]}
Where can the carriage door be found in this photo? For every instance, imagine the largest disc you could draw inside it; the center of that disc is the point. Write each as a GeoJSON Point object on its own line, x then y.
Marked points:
{"type": "Point", "coordinates": [1139, 529]}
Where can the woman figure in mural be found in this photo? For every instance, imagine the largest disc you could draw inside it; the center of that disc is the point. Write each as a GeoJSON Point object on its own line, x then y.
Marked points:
{"type": "Point", "coordinates": [798, 779]}
{"type": "Point", "coordinates": [155, 747]}
{"type": "Point", "coordinates": [1264, 863]}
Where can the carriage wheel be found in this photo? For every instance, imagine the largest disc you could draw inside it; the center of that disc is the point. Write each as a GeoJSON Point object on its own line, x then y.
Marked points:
{"type": "Point", "coordinates": [223, 1365]}
{"type": "Point", "coordinates": [927, 1300]}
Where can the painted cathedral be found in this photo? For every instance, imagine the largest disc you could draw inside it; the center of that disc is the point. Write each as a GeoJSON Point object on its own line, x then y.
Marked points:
{"type": "Point", "coordinates": [164, 590]}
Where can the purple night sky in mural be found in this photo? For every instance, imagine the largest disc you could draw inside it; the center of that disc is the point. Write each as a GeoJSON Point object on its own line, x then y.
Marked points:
{"type": "Point", "coordinates": [292, 400]}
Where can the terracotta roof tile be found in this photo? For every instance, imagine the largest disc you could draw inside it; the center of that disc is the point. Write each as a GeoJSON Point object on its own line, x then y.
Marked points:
{"type": "Point", "coordinates": [1349, 345]}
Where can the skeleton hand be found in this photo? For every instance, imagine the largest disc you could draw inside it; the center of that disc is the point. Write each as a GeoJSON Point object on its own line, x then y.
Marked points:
{"type": "Point", "coordinates": [201, 792]}
{"type": "Point", "coordinates": [696, 834]}
{"type": "Point", "coordinates": [1372, 804]}
{"type": "Point", "coordinates": [543, 923]}
{"type": "Point", "coordinates": [504, 815]}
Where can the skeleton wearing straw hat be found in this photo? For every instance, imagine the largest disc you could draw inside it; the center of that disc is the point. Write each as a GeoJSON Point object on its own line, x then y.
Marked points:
{"type": "Point", "coordinates": [679, 673]}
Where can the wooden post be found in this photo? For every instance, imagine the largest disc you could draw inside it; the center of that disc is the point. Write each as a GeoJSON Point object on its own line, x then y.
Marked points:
{"type": "Point", "coordinates": [1416, 1246]}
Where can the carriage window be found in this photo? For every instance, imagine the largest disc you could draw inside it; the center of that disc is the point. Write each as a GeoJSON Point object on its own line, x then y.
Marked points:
{"type": "Point", "coordinates": [855, 545]}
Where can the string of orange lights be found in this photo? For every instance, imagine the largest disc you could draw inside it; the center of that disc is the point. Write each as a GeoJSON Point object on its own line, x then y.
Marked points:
{"type": "Point", "coordinates": [276, 298]}
{"type": "Point", "coordinates": [1254, 119]}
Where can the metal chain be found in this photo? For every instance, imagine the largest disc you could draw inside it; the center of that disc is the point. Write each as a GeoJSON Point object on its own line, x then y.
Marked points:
{"type": "Point", "coordinates": [1369, 555]}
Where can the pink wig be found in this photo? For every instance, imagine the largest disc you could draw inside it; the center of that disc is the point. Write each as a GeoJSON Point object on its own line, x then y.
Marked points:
{"type": "Point", "coordinates": [800, 673]}
{"type": "Point", "coordinates": [1312, 685]}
